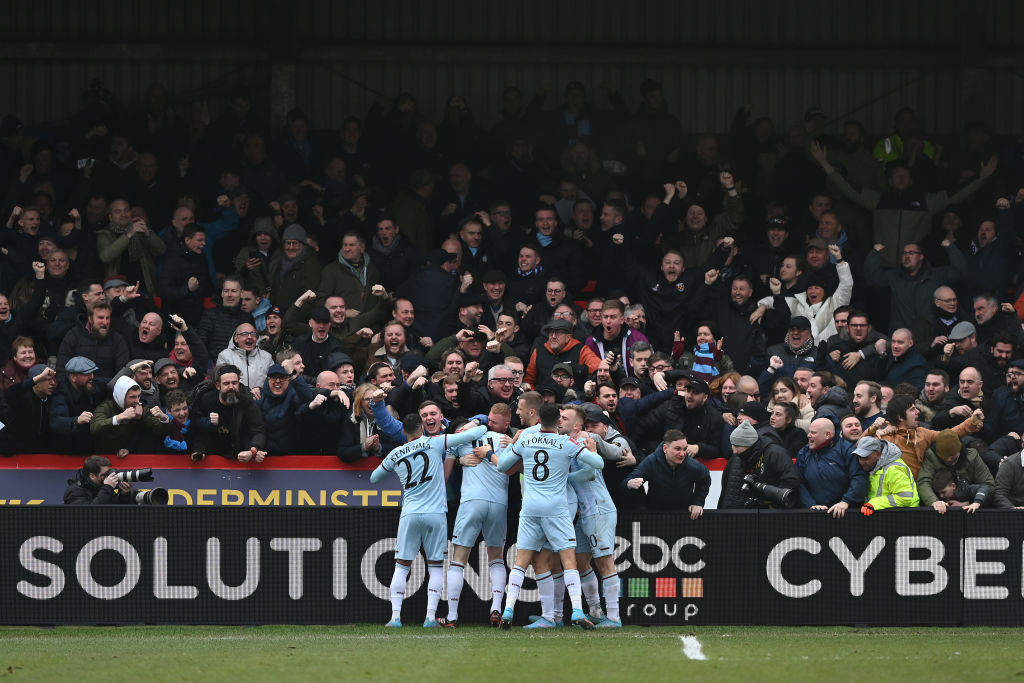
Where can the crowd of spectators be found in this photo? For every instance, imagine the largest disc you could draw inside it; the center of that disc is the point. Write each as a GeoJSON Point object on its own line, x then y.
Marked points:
{"type": "Point", "coordinates": [837, 313]}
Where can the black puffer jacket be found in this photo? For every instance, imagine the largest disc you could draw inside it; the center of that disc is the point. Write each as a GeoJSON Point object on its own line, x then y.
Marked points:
{"type": "Point", "coordinates": [769, 461]}
{"type": "Point", "coordinates": [109, 353]}
{"type": "Point", "coordinates": [217, 326]}
{"type": "Point", "coordinates": [240, 426]}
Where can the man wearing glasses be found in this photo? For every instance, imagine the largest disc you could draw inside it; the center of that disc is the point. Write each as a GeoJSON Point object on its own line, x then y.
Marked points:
{"type": "Point", "coordinates": [243, 352]}
{"type": "Point", "coordinates": [500, 388]}
{"type": "Point", "coordinates": [913, 284]}
{"type": "Point", "coordinates": [1006, 410]}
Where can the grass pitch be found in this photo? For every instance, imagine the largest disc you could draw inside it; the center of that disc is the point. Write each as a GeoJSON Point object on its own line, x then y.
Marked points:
{"type": "Point", "coordinates": [294, 653]}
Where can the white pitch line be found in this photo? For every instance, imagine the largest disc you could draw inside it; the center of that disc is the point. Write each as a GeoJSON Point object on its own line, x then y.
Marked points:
{"type": "Point", "coordinates": [692, 648]}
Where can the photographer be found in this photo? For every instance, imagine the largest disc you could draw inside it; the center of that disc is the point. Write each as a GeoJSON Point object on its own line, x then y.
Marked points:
{"type": "Point", "coordinates": [97, 484]}
{"type": "Point", "coordinates": [760, 473]}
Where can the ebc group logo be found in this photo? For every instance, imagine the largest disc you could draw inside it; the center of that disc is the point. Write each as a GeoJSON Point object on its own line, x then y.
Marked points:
{"type": "Point", "coordinates": [659, 594]}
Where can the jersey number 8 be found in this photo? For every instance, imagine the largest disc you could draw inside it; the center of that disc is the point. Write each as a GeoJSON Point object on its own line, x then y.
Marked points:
{"type": "Point", "coordinates": [540, 468]}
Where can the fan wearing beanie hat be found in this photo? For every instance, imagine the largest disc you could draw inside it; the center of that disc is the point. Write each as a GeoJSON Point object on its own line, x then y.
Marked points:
{"type": "Point", "coordinates": [744, 436]}
{"type": "Point", "coordinates": [760, 472]}
{"type": "Point", "coordinates": [970, 475]}
{"type": "Point", "coordinates": [293, 270]}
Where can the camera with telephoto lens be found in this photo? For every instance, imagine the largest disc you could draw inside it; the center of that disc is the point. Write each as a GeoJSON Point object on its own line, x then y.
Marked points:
{"type": "Point", "coordinates": [153, 496]}
{"type": "Point", "coordinates": [145, 474]}
{"type": "Point", "coordinates": [760, 491]}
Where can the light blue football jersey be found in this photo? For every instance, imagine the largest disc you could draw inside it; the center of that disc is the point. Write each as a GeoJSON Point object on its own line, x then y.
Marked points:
{"type": "Point", "coordinates": [420, 466]}
{"type": "Point", "coordinates": [483, 482]}
{"type": "Point", "coordinates": [593, 494]}
{"type": "Point", "coordinates": [545, 457]}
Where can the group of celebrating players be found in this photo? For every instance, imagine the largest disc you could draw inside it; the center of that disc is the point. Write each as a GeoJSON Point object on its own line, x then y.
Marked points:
{"type": "Point", "coordinates": [561, 483]}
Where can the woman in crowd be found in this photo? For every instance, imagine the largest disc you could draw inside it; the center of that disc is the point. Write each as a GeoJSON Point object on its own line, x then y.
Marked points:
{"type": "Point", "coordinates": [23, 357]}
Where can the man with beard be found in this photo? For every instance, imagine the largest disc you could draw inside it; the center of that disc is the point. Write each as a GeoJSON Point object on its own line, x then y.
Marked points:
{"type": "Point", "coordinates": [933, 396]}
{"type": "Point", "coordinates": [227, 420]}
{"type": "Point", "coordinates": [703, 427]}
{"type": "Point", "coordinates": [469, 313]}
{"type": "Point", "coordinates": [560, 348]}
{"type": "Point", "coordinates": [867, 402]}
{"type": "Point", "coordinates": [243, 354]}
{"type": "Point", "coordinates": [95, 340]}
{"type": "Point", "coordinates": [73, 405]}
{"type": "Point", "coordinates": [992, 319]}
{"type": "Point", "coordinates": [475, 345]}
{"type": "Point", "coordinates": [913, 284]}
{"type": "Point", "coordinates": [120, 424]}
{"type": "Point", "coordinates": [991, 359]}
{"type": "Point", "coordinates": [390, 343]}
{"type": "Point", "coordinates": [1006, 407]}
{"type": "Point", "coordinates": [166, 378]}
{"type": "Point", "coordinates": [615, 337]}
{"type": "Point", "coordinates": [149, 343]}
{"type": "Point", "coordinates": [140, 371]}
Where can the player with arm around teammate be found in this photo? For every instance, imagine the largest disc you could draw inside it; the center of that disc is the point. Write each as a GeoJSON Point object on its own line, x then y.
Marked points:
{"type": "Point", "coordinates": [595, 525]}
{"type": "Point", "coordinates": [545, 455]}
{"type": "Point", "coordinates": [483, 508]}
{"type": "Point", "coordinates": [419, 464]}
